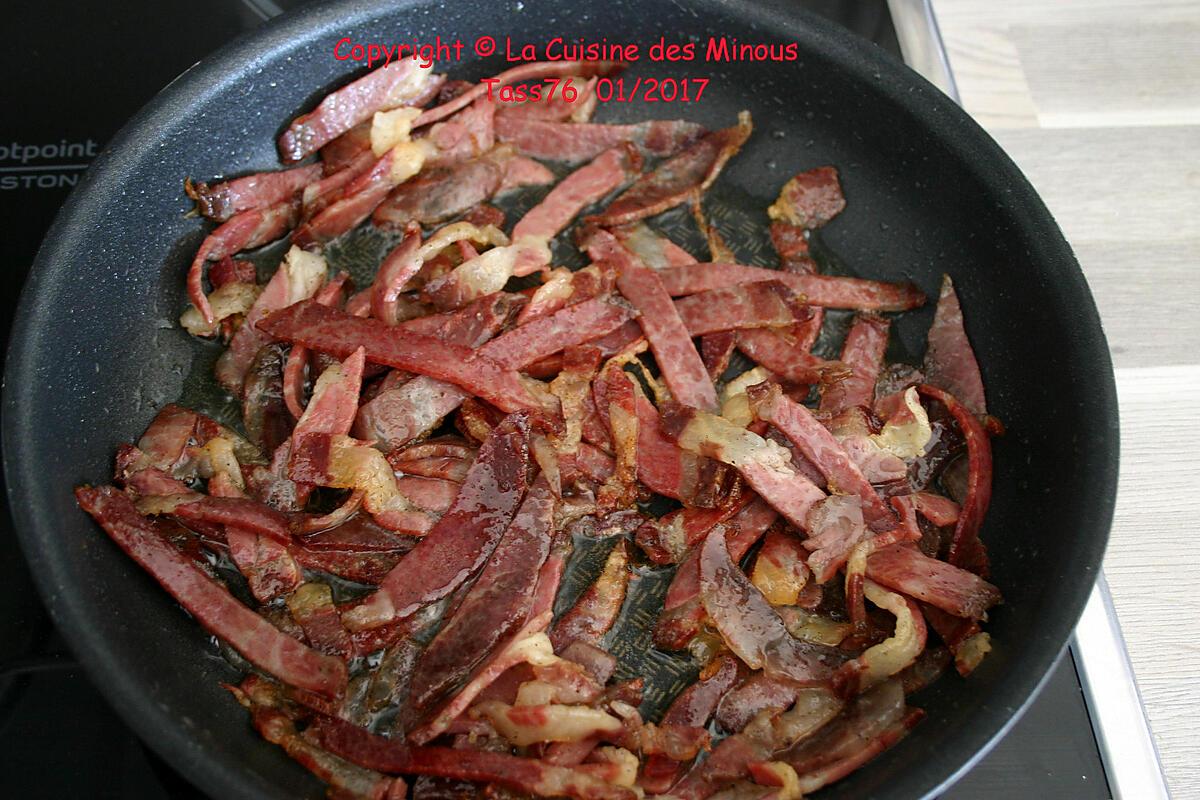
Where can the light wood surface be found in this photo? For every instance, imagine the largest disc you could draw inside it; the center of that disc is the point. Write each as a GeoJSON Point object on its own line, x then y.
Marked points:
{"type": "Point", "coordinates": [1099, 103]}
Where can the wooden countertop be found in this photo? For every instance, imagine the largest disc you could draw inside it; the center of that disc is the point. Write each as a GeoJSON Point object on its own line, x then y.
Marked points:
{"type": "Point", "coordinates": [1099, 103]}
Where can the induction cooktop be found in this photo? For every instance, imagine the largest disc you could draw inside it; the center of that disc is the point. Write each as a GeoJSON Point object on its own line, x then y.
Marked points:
{"type": "Point", "coordinates": [73, 79]}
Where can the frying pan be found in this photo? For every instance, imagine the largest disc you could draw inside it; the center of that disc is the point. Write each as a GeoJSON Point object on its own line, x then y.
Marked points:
{"type": "Point", "coordinates": [94, 352]}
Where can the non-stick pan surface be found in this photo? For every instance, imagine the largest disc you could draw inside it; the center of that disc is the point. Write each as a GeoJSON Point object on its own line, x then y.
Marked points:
{"type": "Point", "coordinates": [95, 353]}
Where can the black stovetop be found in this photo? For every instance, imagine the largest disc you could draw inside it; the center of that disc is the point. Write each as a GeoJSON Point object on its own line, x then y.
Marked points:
{"type": "Point", "coordinates": [72, 78]}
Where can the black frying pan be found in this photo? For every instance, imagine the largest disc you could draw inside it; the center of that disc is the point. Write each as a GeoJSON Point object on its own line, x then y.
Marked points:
{"type": "Point", "coordinates": [94, 353]}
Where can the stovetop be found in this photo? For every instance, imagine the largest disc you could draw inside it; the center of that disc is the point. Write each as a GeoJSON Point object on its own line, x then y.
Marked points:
{"type": "Point", "coordinates": [77, 78]}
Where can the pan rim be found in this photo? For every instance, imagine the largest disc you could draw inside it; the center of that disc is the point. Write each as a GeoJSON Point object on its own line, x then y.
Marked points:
{"type": "Point", "coordinates": [161, 730]}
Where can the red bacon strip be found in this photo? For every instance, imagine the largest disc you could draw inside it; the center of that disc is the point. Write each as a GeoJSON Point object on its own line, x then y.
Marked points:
{"type": "Point", "coordinates": [398, 416]}
{"type": "Point", "coordinates": [760, 692]}
{"type": "Point", "coordinates": [497, 604]}
{"type": "Point", "coordinates": [863, 354]}
{"type": "Point", "coordinates": [245, 514]}
{"type": "Point", "coordinates": [335, 399]}
{"type": "Point", "coordinates": [821, 448]}
{"type": "Point", "coordinates": [583, 187]}
{"type": "Point", "coordinates": [682, 369]}
{"type": "Point", "coordinates": [572, 142]}
{"type": "Point", "coordinates": [525, 72]}
{"type": "Point", "coordinates": [765, 465]}
{"type": "Point", "coordinates": [298, 357]}
{"type": "Point", "coordinates": [286, 286]}
{"type": "Point", "coordinates": [439, 193]}
{"type": "Point", "coordinates": [401, 83]}
{"type": "Point", "coordinates": [224, 200]}
{"type": "Point", "coordinates": [828, 291]}
{"type": "Point", "coordinates": [463, 538]}
{"type": "Point", "coordinates": [683, 613]}
{"type": "Point", "coordinates": [666, 539]}
{"type": "Point", "coordinates": [950, 361]}
{"type": "Point", "coordinates": [258, 640]}
{"type": "Point", "coordinates": [786, 358]}
{"type": "Point", "coordinates": [468, 134]}
{"type": "Point", "coordinates": [318, 195]}
{"type": "Point", "coordinates": [355, 201]}
{"type": "Point", "coordinates": [810, 199]}
{"type": "Point", "coordinates": [654, 250]}
{"type": "Point", "coordinates": [431, 494]}
{"type": "Point", "coordinates": [245, 231]}
{"type": "Point", "coordinates": [398, 267]}
{"type": "Point", "coordinates": [754, 305]}
{"type": "Point", "coordinates": [965, 548]}
{"type": "Point", "coordinates": [677, 180]}
{"type": "Point", "coordinates": [521, 172]}
{"type": "Point", "coordinates": [748, 624]}
{"type": "Point", "coordinates": [596, 610]}
{"type": "Point", "coordinates": [338, 333]}
{"type": "Point", "coordinates": [952, 589]}
{"type": "Point", "coordinates": [519, 774]}
{"type": "Point", "coordinates": [693, 706]}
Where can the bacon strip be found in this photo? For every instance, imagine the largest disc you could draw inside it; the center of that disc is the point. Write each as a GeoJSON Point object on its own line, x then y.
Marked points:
{"type": "Point", "coordinates": [677, 180]}
{"type": "Point", "coordinates": [965, 548]}
{"type": "Point", "coordinates": [666, 468]}
{"type": "Point", "coordinates": [339, 334]}
{"type": "Point", "coordinates": [821, 448]}
{"type": "Point", "coordinates": [401, 83]}
{"type": "Point", "coordinates": [828, 291]}
{"type": "Point", "coordinates": [521, 172]}
{"type": "Point", "coordinates": [486, 273]}
{"type": "Point", "coordinates": [245, 514]}
{"type": "Point", "coordinates": [562, 287]}
{"type": "Point", "coordinates": [335, 399]}
{"type": "Point", "coordinates": [682, 369]}
{"type": "Point", "coordinates": [316, 196]}
{"type": "Point", "coordinates": [347, 147]}
{"type": "Point", "coordinates": [810, 199]}
{"type": "Point", "coordinates": [527, 645]}
{"type": "Point", "coordinates": [583, 187]}
{"type": "Point", "coordinates": [754, 305]}
{"type": "Point", "coordinates": [265, 416]}
{"type": "Point", "coordinates": [596, 610]}
{"type": "Point", "coordinates": [400, 415]}
{"type": "Point", "coordinates": [524, 72]}
{"type": "Point", "coordinates": [398, 267]}
{"type": "Point", "coordinates": [572, 142]}
{"type": "Point", "coordinates": [871, 724]}
{"type": "Point", "coordinates": [693, 706]}
{"type": "Point", "coordinates": [760, 692]}
{"type": "Point", "coordinates": [497, 604]}
{"type": "Point", "coordinates": [765, 465]}
{"type": "Point", "coordinates": [439, 193]}
{"type": "Point", "coordinates": [655, 251]}
{"type": "Point", "coordinates": [363, 194]}
{"type": "Point", "coordinates": [245, 231]}
{"type": "Point", "coordinates": [431, 494]}
{"type": "Point", "coordinates": [258, 640]}
{"type": "Point", "coordinates": [222, 201]}
{"type": "Point", "coordinates": [298, 277]}
{"type": "Point", "coordinates": [463, 538]}
{"type": "Point", "coordinates": [525, 775]}
{"type": "Point", "coordinates": [863, 354]}
{"type": "Point", "coordinates": [468, 134]}
{"type": "Point", "coordinates": [666, 539]}
{"type": "Point", "coordinates": [748, 624]}
{"type": "Point", "coordinates": [945, 586]}
{"type": "Point", "coordinates": [949, 359]}
{"type": "Point", "coordinates": [773, 350]}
